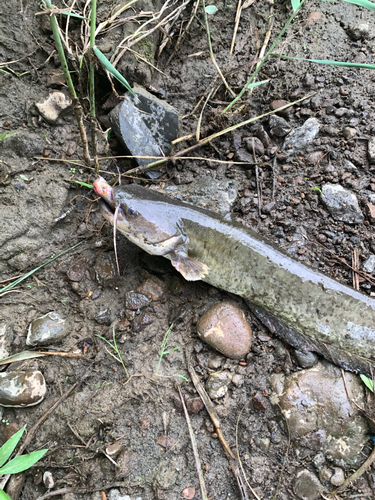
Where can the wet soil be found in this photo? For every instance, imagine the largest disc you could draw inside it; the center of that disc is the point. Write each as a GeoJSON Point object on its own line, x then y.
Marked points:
{"type": "Point", "coordinates": [43, 212]}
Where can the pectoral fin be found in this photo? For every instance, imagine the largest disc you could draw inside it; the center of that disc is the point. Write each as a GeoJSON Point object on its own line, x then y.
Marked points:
{"type": "Point", "coordinates": [191, 270]}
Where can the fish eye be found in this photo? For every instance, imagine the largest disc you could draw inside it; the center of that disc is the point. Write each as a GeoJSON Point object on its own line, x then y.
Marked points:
{"type": "Point", "coordinates": [132, 211]}
{"type": "Point", "coordinates": [104, 189]}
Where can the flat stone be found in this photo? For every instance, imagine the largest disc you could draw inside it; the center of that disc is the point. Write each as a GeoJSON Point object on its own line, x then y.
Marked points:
{"type": "Point", "coordinates": [22, 388]}
{"type": "Point", "coordinates": [300, 138]}
{"type": "Point", "coordinates": [54, 106]}
{"type": "Point", "coordinates": [145, 125]}
{"type": "Point", "coordinates": [306, 359]}
{"type": "Point", "coordinates": [279, 127]}
{"type": "Point", "coordinates": [135, 301]}
{"type": "Point", "coordinates": [105, 268]}
{"type": "Point", "coordinates": [217, 384]}
{"type": "Point", "coordinates": [369, 264]}
{"type": "Point", "coordinates": [206, 192]}
{"type": "Point", "coordinates": [342, 204]}
{"type": "Point", "coordinates": [307, 486]}
{"type": "Point", "coordinates": [315, 400]}
{"type": "Point", "coordinates": [166, 475]}
{"type": "Point", "coordinates": [279, 103]}
{"type": "Point", "coordinates": [224, 327]}
{"type": "Point", "coordinates": [48, 329]}
{"type": "Point", "coordinates": [153, 288]}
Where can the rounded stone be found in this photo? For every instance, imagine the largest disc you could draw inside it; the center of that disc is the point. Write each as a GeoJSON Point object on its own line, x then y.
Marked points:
{"type": "Point", "coordinates": [46, 330]}
{"type": "Point", "coordinates": [338, 477]}
{"type": "Point", "coordinates": [224, 327]}
{"type": "Point", "coordinates": [19, 389]}
{"type": "Point", "coordinates": [307, 486]}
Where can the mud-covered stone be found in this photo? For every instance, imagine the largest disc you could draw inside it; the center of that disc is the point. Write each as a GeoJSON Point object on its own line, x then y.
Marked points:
{"type": "Point", "coordinates": [217, 384]}
{"type": "Point", "coordinates": [307, 486]}
{"type": "Point", "coordinates": [153, 288]}
{"type": "Point", "coordinates": [48, 329]}
{"type": "Point", "coordinates": [224, 327]}
{"type": "Point", "coordinates": [145, 125]}
{"type": "Point", "coordinates": [103, 316]}
{"type": "Point", "coordinates": [22, 388]}
{"type": "Point", "coordinates": [279, 103]}
{"type": "Point", "coordinates": [341, 203]}
{"type": "Point", "coordinates": [359, 31]}
{"type": "Point", "coordinates": [316, 400]}
{"type": "Point", "coordinates": [300, 138]}
{"type": "Point", "coordinates": [279, 127]}
{"type": "Point", "coordinates": [135, 301]}
{"type": "Point", "coordinates": [253, 144]}
{"type": "Point", "coordinates": [105, 268]}
{"type": "Point", "coordinates": [77, 270]}
{"type": "Point", "coordinates": [54, 106]}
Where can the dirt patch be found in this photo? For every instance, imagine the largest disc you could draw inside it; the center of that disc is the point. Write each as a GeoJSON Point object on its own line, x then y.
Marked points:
{"type": "Point", "coordinates": [43, 213]}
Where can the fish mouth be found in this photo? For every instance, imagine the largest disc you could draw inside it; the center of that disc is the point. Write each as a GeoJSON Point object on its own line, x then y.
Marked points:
{"type": "Point", "coordinates": [108, 211]}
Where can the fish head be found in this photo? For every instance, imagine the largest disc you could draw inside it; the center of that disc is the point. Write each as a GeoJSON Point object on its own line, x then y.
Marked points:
{"type": "Point", "coordinates": [141, 215]}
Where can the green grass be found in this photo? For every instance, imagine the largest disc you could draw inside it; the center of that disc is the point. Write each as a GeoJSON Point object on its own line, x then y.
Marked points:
{"type": "Point", "coordinates": [115, 348]}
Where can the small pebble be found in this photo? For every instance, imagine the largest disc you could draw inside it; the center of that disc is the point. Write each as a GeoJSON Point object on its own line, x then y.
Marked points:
{"type": "Point", "coordinates": [48, 480]}
{"type": "Point", "coordinates": [217, 384]}
{"type": "Point", "coordinates": [153, 288]}
{"type": "Point", "coordinates": [338, 477]}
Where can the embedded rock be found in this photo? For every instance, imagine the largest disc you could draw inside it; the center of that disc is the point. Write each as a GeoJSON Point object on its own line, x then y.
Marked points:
{"type": "Point", "coordinates": [316, 406]}
{"type": "Point", "coordinates": [307, 486]}
{"type": "Point", "coordinates": [341, 203]}
{"type": "Point", "coordinates": [46, 330]}
{"type": "Point", "coordinates": [54, 106]}
{"type": "Point", "coordinates": [217, 384]}
{"type": "Point", "coordinates": [300, 138]}
{"type": "Point", "coordinates": [224, 327]}
{"type": "Point", "coordinates": [19, 389]}
{"type": "Point", "coordinates": [145, 125]}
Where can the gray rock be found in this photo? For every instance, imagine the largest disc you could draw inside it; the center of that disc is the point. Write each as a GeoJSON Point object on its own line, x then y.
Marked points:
{"type": "Point", "coordinates": [325, 474]}
{"type": "Point", "coordinates": [300, 138]}
{"type": "Point", "coordinates": [103, 316]}
{"type": "Point", "coordinates": [369, 265]}
{"type": "Point", "coordinates": [206, 192]}
{"type": "Point", "coordinates": [258, 146]}
{"type": "Point", "coordinates": [359, 31]}
{"type": "Point", "coordinates": [319, 460]}
{"type": "Point", "coordinates": [349, 133]}
{"type": "Point", "coordinates": [317, 399]}
{"type": "Point", "coordinates": [338, 477]}
{"type": "Point", "coordinates": [148, 132]}
{"type": "Point", "coordinates": [19, 389]}
{"type": "Point", "coordinates": [297, 241]}
{"type": "Point", "coordinates": [48, 329]}
{"type": "Point", "coordinates": [348, 166]}
{"type": "Point", "coordinates": [371, 150]}
{"type": "Point", "coordinates": [262, 443]}
{"type": "Point", "coordinates": [278, 126]}
{"type": "Point", "coordinates": [166, 475]}
{"type": "Point", "coordinates": [217, 384]}
{"type": "Point", "coordinates": [306, 359]}
{"type": "Point", "coordinates": [53, 106]}
{"type": "Point", "coordinates": [342, 204]}
{"type": "Point", "coordinates": [307, 486]}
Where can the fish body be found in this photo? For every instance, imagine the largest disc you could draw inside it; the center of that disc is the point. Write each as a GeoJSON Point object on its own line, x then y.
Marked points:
{"type": "Point", "coordinates": [308, 309]}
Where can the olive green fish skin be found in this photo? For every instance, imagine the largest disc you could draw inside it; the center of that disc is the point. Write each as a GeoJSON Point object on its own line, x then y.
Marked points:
{"type": "Point", "coordinates": [242, 262]}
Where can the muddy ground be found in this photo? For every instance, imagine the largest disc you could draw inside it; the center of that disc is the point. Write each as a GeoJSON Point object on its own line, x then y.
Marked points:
{"type": "Point", "coordinates": [43, 213]}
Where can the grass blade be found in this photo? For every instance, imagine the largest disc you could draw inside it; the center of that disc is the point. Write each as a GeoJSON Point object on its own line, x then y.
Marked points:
{"type": "Point", "coordinates": [255, 84]}
{"type": "Point", "coordinates": [25, 276]}
{"type": "Point", "coordinates": [4, 496]}
{"type": "Point", "coordinates": [295, 4]}
{"type": "Point", "coordinates": [327, 61]}
{"type": "Point", "coordinates": [24, 462]}
{"type": "Point", "coordinates": [368, 382]}
{"type": "Point", "coordinates": [111, 69]}
{"type": "Point", "coordinates": [7, 449]}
